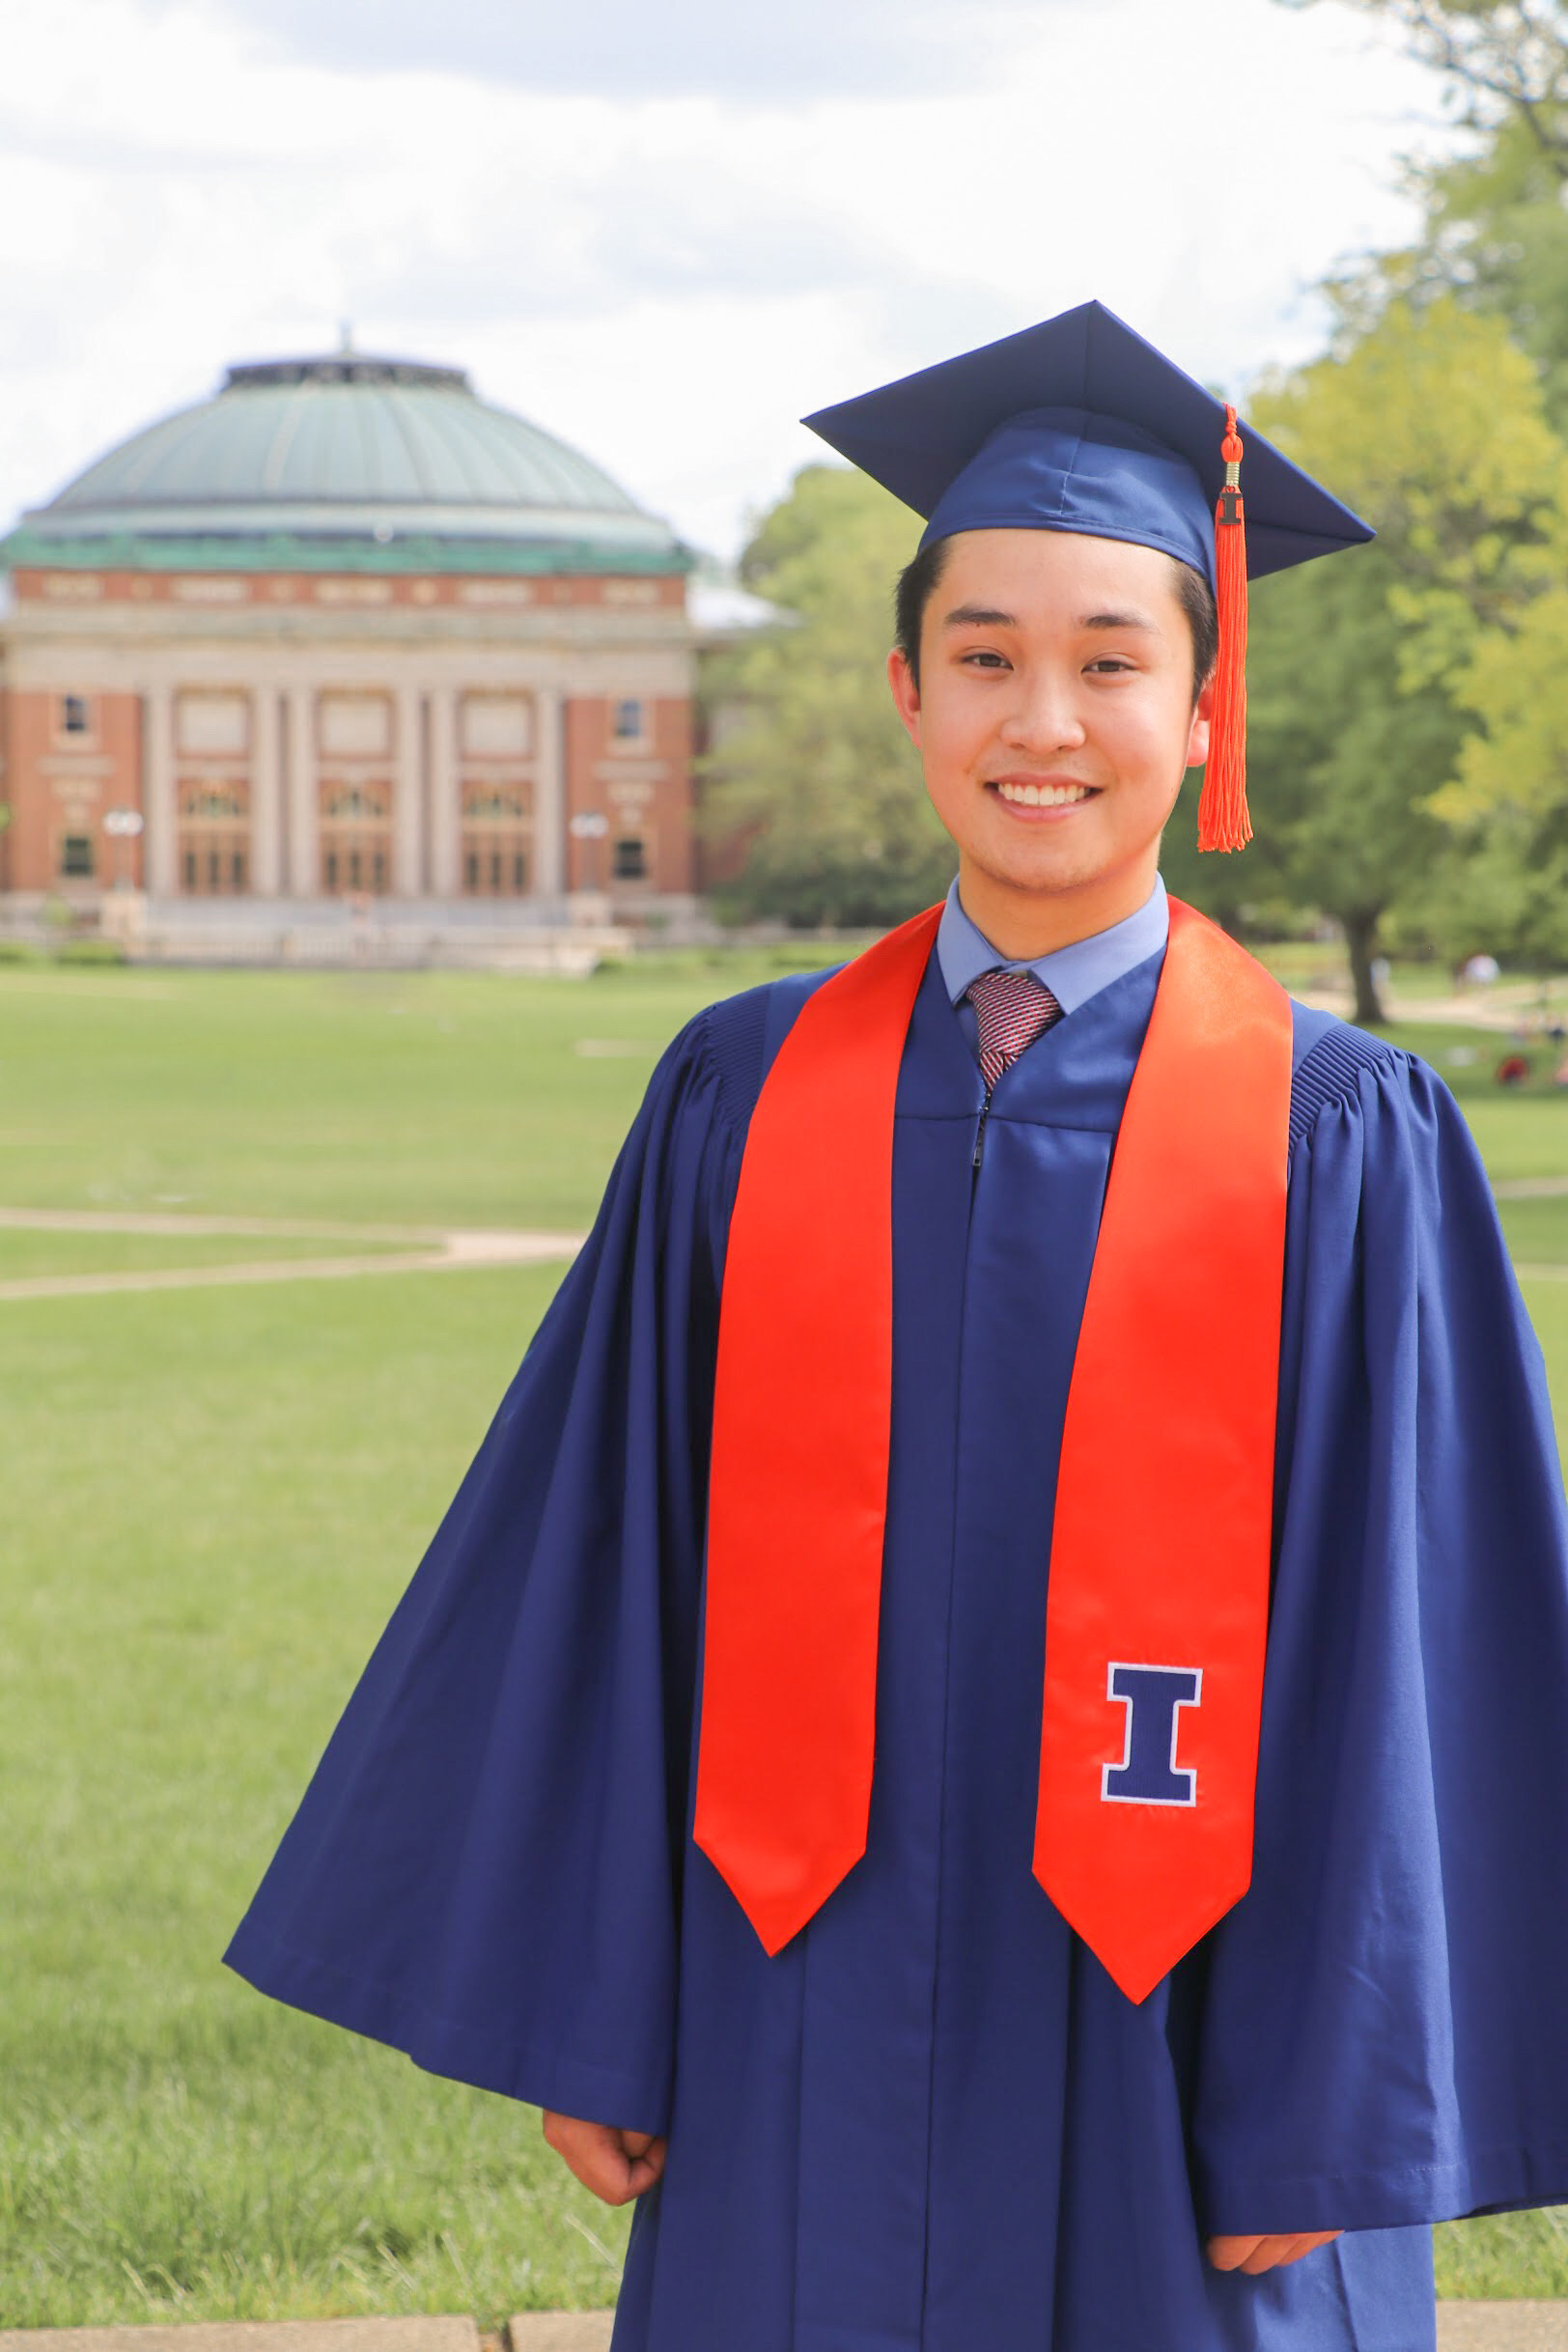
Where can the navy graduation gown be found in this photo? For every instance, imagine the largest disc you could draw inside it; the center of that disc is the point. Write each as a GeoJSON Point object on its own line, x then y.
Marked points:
{"type": "Point", "coordinates": [932, 2122]}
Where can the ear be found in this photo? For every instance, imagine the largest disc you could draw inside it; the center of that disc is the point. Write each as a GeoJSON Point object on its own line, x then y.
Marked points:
{"type": "Point", "coordinates": [905, 694]}
{"type": "Point", "coordinates": [1197, 741]}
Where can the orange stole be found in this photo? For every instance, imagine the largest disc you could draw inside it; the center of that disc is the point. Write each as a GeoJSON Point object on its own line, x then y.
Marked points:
{"type": "Point", "coordinates": [1162, 1543]}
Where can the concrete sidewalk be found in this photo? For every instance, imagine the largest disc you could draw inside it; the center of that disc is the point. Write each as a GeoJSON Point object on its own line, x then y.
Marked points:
{"type": "Point", "coordinates": [530, 2331]}
{"type": "Point", "coordinates": [1499, 2326]}
{"type": "Point", "coordinates": [1462, 2327]}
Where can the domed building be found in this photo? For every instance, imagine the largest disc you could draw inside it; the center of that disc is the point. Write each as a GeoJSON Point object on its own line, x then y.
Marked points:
{"type": "Point", "coordinates": [346, 632]}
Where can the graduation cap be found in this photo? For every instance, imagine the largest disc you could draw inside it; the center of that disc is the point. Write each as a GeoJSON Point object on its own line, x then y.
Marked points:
{"type": "Point", "coordinates": [1080, 425]}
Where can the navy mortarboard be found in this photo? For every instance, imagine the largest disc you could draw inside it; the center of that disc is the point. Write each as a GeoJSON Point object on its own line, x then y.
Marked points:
{"type": "Point", "coordinates": [1080, 425]}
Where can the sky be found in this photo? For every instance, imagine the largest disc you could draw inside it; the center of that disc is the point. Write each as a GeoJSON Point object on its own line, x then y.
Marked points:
{"type": "Point", "coordinates": [664, 233]}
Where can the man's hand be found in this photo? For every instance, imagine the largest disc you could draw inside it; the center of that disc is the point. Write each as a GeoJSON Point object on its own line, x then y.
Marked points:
{"type": "Point", "coordinates": [617, 2165]}
{"type": "Point", "coordinates": [1265, 2254]}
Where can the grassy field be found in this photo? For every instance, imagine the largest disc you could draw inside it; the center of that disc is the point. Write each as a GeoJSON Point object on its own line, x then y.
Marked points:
{"type": "Point", "coordinates": [211, 1500]}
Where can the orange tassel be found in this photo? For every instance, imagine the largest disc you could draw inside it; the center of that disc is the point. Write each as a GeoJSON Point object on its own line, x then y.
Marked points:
{"type": "Point", "coordinates": [1223, 823]}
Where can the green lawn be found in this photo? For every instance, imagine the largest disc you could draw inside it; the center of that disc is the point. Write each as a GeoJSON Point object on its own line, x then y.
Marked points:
{"type": "Point", "coordinates": [211, 1500]}
{"type": "Point", "coordinates": [448, 1098]}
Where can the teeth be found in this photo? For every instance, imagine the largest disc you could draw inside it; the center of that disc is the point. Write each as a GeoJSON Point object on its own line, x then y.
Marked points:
{"type": "Point", "coordinates": [1044, 795]}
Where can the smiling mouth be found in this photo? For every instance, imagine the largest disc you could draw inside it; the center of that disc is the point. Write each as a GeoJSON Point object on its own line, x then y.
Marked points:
{"type": "Point", "coordinates": [1043, 796]}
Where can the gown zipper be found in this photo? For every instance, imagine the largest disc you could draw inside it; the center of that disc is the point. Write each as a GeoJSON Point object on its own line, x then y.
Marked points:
{"type": "Point", "coordinates": [980, 1135]}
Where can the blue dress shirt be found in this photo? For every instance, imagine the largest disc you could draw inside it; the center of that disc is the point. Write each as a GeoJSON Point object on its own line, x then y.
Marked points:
{"type": "Point", "coordinates": [1073, 973]}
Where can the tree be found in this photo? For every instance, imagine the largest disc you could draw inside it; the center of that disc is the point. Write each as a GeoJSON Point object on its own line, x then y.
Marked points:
{"type": "Point", "coordinates": [1494, 224]}
{"type": "Point", "coordinates": [1431, 427]}
{"type": "Point", "coordinates": [1501, 61]}
{"type": "Point", "coordinates": [816, 775]}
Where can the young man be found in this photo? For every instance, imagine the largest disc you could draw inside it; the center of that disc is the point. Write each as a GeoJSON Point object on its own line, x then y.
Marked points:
{"type": "Point", "coordinates": [949, 1956]}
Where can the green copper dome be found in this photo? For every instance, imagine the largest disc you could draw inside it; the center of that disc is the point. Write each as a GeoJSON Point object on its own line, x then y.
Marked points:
{"type": "Point", "coordinates": [343, 453]}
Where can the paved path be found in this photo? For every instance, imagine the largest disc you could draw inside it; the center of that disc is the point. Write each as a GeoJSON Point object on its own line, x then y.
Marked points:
{"type": "Point", "coordinates": [404, 1250]}
{"type": "Point", "coordinates": [1462, 2327]}
{"type": "Point", "coordinates": [436, 1251]}
{"type": "Point", "coordinates": [163, 1221]}
{"type": "Point", "coordinates": [1503, 1010]}
{"type": "Point", "coordinates": [531, 2332]}
{"type": "Point", "coordinates": [1495, 2327]}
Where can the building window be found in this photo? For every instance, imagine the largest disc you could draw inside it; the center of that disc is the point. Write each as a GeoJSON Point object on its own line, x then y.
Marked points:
{"type": "Point", "coordinates": [496, 726]}
{"type": "Point", "coordinates": [75, 716]}
{"type": "Point", "coordinates": [212, 726]}
{"type": "Point", "coordinates": [630, 859]}
{"type": "Point", "coordinates": [629, 721]}
{"type": "Point", "coordinates": [77, 855]}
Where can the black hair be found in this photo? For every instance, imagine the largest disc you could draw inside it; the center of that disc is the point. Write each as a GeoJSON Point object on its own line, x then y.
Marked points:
{"type": "Point", "coordinates": [917, 582]}
{"type": "Point", "coordinates": [1195, 598]}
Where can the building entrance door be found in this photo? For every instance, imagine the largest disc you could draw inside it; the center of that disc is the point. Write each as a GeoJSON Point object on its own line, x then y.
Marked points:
{"type": "Point", "coordinates": [356, 840]}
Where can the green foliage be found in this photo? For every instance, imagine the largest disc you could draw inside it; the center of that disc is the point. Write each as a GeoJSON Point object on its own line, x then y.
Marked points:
{"type": "Point", "coordinates": [1516, 682]}
{"type": "Point", "coordinates": [1496, 232]}
{"type": "Point", "coordinates": [1430, 426]}
{"type": "Point", "coordinates": [814, 771]}
{"type": "Point", "coordinates": [1486, 631]}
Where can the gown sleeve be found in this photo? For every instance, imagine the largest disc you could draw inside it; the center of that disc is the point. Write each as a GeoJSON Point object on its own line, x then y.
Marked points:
{"type": "Point", "coordinates": [483, 1871]}
{"type": "Point", "coordinates": [1383, 2028]}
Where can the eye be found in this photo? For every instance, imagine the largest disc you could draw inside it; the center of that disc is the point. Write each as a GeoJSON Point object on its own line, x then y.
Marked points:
{"type": "Point", "coordinates": [1110, 664]}
{"type": "Point", "coordinates": [982, 658]}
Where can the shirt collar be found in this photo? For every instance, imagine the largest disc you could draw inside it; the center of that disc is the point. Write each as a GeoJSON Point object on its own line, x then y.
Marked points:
{"type": "Point", "coordinates": [1074, 974]}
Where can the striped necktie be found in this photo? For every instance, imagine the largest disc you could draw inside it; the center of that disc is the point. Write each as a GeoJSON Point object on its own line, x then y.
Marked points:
{"type": "Point", "coordinates": [1010, 1010]}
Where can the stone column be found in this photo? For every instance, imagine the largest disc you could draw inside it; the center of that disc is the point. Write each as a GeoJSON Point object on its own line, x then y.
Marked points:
{"type": "Point", "coordinates": [407, 781]}
{"type": "Point", "coordinates": [265, 793]}
{"type": "Point", "coordinates": [550, 795]}
{"type": "Point", "coordinates": [160, 811]}
{"type": "Point", "coordinates": [304, 802]}
{"type": "Point", "coordinates": [445, 810]}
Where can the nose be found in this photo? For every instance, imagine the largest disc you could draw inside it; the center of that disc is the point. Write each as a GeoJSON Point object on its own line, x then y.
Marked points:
{"type": "Point", "coordinates": [1043, 715]}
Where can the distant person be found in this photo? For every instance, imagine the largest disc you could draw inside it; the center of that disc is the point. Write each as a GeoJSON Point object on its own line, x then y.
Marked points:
{"type": "Point", "coordinates": [1513, 1070]}
{"type": "Point", "coordinates": [944, 1953]}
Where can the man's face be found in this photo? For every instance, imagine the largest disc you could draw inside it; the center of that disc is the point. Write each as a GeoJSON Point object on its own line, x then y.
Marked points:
{"type": "Point", "coordinates": [1055, 715]}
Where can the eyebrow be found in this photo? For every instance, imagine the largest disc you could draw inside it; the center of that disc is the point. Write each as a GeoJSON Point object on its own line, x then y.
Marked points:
{"type": "Point", "coordinates": [986, 616]}
{"type": "Point", "coordinates": [1118, 620]}
{"type": "Point", "coordinates": [978, 616]}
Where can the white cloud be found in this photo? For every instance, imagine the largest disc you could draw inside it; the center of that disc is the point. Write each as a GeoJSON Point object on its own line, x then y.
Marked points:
{"type": "Point", "coordinates": [625, 48]}
{"type": "Point", "coordinates": [667, 281]}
